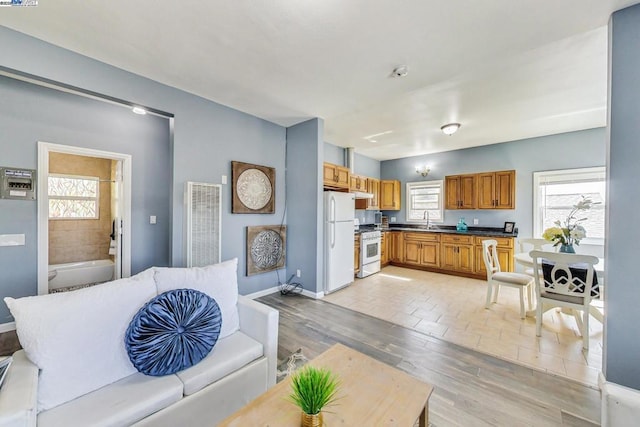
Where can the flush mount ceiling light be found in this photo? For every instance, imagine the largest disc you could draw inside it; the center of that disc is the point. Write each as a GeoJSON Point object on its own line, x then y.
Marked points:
{"type": "Point", "coordinates": [400, 71]}
{"type": "Point", "coordinates": [423, 170]}
{"type": "Point", "coordinates": [139, 110]}
{"type": "Point", "coordinates": [450, 128]}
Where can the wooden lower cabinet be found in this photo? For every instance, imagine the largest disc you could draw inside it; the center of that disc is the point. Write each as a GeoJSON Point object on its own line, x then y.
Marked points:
{"type": "Point", "coordinates": [394, 246]}
{"type": "Point", "coordinates": [504, 250]}
{"type": "Point", "coordinates": [421, 249]}
{"type": "Point", "coordinates": [446, 253]}
{"type": "Point", "coordinates": [356, 254]}
{"type": "Point", "coordinates": [384, 249]}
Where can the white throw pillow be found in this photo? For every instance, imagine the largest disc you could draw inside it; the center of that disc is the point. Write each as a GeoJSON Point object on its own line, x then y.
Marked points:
{"type": "Point", "coordinates": [77, 338]}
{"type": "Point", "coordinates": [219, 281]}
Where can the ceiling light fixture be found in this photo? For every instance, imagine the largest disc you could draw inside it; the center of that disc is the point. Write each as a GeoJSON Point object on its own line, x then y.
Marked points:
{"type": "Point", "coordinates": [139, 110]}
{"type": "Point", "coordinates": [400, 71]}
{"type": "Point", "coordinates": [423, 170]}
{"type": "Point", "coordinates": [450, 128]}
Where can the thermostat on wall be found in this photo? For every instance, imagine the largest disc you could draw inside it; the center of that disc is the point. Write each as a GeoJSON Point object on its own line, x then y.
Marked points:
{"type": "Point", "coordinates": [19, 184]}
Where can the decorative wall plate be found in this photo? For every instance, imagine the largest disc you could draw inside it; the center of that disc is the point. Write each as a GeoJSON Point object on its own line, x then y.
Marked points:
{"type": "Point", "coordinates": [254, 188]}
{"type": "Point", "coordinates": [266, 248]}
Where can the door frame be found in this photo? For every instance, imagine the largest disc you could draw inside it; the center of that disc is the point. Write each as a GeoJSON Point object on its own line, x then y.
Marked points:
{"type": "Point", "coordinates": [44, 148]}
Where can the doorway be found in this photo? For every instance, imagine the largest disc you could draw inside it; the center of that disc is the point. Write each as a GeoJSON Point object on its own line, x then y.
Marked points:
{"type": "Point", "coordinates": [72, 251]}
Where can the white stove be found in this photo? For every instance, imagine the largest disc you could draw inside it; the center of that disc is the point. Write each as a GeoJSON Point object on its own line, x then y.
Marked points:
{"type": "Point", "coordinates": [370, 242]}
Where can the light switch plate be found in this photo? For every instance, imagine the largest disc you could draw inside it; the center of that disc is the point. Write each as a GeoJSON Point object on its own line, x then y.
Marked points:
{"type": "Point", "coordinates": [153, 219]}
{"type": "Point", "coordinates": [12, 240]}
{"type": "Point", "coordinates": [224, 179]}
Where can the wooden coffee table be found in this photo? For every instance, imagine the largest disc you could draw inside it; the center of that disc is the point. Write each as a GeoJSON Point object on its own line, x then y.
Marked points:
{"type": "Point", "coordinates": [371, 393]}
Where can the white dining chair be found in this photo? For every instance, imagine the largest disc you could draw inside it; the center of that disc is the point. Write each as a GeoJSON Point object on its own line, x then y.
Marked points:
{"type": "Point", "coordinates": [567, 285]}
{"type": "Point", "coordinates": [497, 278]}
{"type": "Point", "coordinates": [528, 244]}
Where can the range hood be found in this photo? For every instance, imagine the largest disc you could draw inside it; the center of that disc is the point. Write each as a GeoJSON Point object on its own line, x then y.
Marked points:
{"type": "Point", "coordinates": [349, 160]}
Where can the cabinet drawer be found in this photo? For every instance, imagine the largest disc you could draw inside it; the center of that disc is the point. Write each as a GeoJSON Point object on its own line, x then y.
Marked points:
{"type": "Point", "coordinates": [455, 238]}
{"type": "Point", "coordinates": [424, 237]}
{"type": "Point", "coordinates": [505, 242]}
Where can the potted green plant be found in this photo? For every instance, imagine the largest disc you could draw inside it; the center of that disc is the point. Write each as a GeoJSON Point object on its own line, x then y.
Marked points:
{"type": "Point", "coordinates": [311, 390]}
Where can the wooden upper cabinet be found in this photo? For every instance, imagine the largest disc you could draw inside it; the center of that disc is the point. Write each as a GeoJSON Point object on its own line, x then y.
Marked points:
{"type": "Point", "coordinates": [335, 176]}
{"type": "Point", "coordinates": [389, 195]}
{"type": "Point", "coordinates": [460, 191]}
{"type": "Point", "coordinates": [487, 190]}
{"type": "Point", "coordinates": [373, 187]}
{"type": "Point", "coordinates": [497, 190]}
{"type": "Point", "coordinates": [358, 183]}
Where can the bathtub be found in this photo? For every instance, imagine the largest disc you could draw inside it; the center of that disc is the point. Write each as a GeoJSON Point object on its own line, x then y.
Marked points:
{"type": "Point", "coordinates": [80, 273]}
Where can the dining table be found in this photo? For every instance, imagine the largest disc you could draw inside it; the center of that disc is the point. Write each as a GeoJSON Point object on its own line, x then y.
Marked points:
{"type": "Point", "coordinates": [596, 307]}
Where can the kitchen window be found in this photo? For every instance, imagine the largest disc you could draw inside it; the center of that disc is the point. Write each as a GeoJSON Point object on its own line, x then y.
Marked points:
{"type": "Point", "coordinates": [555, 193]}
{"type": "Point", "coordinates": [73, 197]}
{"type": "Point", "coordinates": [424, 200]}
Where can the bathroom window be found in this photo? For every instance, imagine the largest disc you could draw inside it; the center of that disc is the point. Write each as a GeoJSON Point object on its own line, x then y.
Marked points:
{"type": "Point", "coordinates": [73, 197]}
{"type": "Point", "coordinates": [423, 197]}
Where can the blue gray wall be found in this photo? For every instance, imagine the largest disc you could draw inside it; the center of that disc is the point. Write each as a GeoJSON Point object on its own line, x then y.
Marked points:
{"type": "Point", "coordinates": [562, 151]}
{"type": "Point", "coordinates": [206, 137]}
{"type": "Point", "coordinates": [621, 340]}
{"type": "Point", "coordinates": [305, 203]}
{"type": "Point", "coordinates": [30, 113]}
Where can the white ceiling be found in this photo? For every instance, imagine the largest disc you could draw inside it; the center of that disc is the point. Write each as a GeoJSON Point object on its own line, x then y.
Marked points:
{"type": "Point", "coordinates": [504, 69]}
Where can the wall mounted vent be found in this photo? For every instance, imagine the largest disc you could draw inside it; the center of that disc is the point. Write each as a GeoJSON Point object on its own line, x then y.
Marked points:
{"type": "Point", "coordinates": [203, 218]}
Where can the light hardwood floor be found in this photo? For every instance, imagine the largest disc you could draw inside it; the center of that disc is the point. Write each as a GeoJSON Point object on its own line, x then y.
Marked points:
{"type": "Point", "coordinates": [471, 388]}
{"type": "Point", "coordinates": [452, 308]}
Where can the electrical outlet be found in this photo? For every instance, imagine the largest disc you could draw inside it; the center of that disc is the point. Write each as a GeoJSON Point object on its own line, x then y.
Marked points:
{"type": "Point", "coordinates": [298, 273]}
{"type": "Point", "coordinates": [392, 219]}
{"type": "Point", "coordinates": [475, 221]}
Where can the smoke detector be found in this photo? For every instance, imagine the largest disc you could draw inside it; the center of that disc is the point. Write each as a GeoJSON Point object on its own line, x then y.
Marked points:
{"type": "Point", "coordinates": [400, 71]}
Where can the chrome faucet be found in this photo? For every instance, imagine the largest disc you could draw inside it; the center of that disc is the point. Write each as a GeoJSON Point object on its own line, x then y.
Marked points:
{"type": "Point", "coordinates": [425, 216]}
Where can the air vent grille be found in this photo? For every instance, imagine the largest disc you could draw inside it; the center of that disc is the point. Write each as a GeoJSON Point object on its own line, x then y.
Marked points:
{"type": "Point", "coordinates": [202, 223]}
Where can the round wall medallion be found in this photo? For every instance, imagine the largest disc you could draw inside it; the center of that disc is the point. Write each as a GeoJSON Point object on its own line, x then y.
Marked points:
{"type": "Point", "coordinates": [254, 189]}
{"type": "Point", "coordinates": [266, 249]}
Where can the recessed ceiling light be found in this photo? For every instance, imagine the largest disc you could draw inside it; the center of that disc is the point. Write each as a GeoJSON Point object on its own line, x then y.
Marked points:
{"type": "Point", "coordinates": [386, 132]}
{"type": "Point", "coordinates": [450, 128]}
{"type": "Point", "coordinates": [139, 110]}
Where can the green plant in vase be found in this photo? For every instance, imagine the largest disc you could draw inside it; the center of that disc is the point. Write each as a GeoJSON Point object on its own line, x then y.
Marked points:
{"type": "Point", "coordinates": [313, 389]}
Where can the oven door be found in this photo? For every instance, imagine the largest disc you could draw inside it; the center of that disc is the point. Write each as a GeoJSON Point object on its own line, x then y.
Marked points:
{"type": "Point", "coordinates": [370, 251]}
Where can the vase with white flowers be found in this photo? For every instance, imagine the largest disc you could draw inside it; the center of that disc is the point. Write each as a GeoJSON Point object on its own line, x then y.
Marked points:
{"type": "Point", "coordinates": [569, 232]}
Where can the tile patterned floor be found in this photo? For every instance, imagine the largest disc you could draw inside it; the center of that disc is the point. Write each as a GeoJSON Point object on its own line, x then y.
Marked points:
{"type": "Point", "coordinates": [452, 308]}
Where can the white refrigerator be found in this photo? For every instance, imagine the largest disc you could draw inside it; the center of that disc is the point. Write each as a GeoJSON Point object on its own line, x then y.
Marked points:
{"type": "Point", "coordinates": [339, 213]}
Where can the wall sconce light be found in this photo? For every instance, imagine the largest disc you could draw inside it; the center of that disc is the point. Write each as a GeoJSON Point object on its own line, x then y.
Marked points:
{"type": "Point", "coordinates": [450, 128]}
{"type": "Point", "coordinates": [423, 170]}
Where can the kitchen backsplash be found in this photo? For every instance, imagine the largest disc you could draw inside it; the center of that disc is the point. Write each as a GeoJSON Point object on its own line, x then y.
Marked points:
{"type": "Point", "coordinates": [365, 217]}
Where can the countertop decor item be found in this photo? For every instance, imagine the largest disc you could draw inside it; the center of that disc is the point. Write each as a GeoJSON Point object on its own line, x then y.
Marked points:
{"type": "Point", "coordinates": [569, 232]}
{"type": "Point", "coordinates": [254, 188]}
{"type": "Point", "coordinates": [311, 390]}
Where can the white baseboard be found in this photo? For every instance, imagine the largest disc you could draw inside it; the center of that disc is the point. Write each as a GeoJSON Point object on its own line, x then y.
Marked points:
{"type": "Point", "coordinates": [273, 290]}
{"type": "Point", "coordinates": [7, 327]}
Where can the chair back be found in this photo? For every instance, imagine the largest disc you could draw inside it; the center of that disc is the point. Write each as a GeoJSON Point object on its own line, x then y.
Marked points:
{"type": "Point", "coordinates": [567, 276]}
{"type": "Point", "coordinates": [532, 244]}
{"type": "Point", "coordinates": [490, 257]}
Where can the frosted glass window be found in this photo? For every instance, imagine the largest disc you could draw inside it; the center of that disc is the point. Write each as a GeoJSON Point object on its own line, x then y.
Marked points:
{"type": "Point", "coordinates": [424, 199]}
{"type": "Point", "coordinates": [73, 197]}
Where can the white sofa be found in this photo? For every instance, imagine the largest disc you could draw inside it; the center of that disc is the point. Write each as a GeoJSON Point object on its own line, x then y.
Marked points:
{"type": "Point", "coordinates": [43, 388]}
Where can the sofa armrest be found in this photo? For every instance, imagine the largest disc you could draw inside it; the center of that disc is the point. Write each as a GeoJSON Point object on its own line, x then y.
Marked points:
{"type": "Point", "coordinates": [260, 322]}
{"type": "Point", "coordinates": [19, 394]}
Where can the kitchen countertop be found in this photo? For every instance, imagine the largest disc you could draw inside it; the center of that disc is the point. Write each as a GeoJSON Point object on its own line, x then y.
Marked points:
{"type": "Point", "coordinates": [448, 229]}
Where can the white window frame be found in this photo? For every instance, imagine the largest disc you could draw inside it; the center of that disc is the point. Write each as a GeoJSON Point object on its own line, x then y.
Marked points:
{"type": "Point", "coordinates": [433, 183]}
{"type": "Point", "coordinates": [538, 177]}
{"type": "Point", "coordinates": [95, 199]}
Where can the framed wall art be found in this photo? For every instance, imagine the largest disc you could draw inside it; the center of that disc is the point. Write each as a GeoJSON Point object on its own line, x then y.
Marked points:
{"type": "Point", "coordinates": [254, 188]}
{"type": "Point", "coordinates": [266, 248]}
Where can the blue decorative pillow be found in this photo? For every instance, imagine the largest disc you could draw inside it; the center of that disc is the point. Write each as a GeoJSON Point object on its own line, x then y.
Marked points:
{"type": "Point", "coordinates": [173, 331]}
